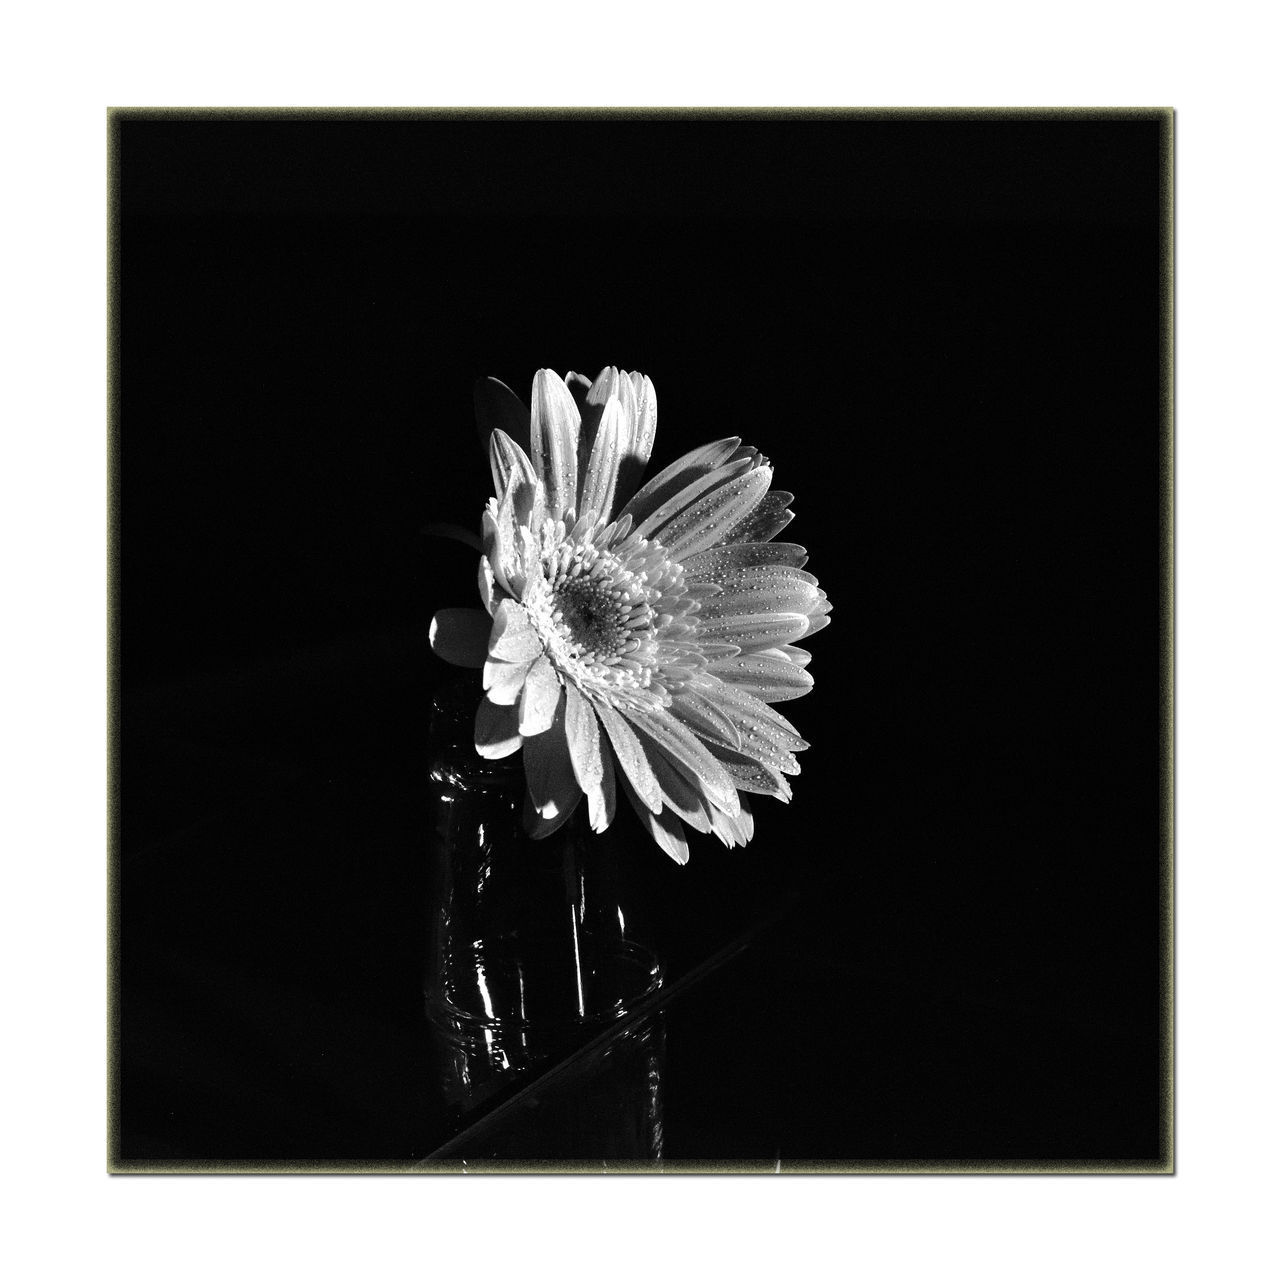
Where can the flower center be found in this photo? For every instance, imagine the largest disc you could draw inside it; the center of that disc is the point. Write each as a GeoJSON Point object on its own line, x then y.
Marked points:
{"type": "Point", "coordinates": [611, 610]}
{"type": "Point", "coordinates": [597, 616]}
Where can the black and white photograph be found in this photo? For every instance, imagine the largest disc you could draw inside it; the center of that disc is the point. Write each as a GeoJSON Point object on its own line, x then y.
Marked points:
{"type": "Point", "coordinates": [641, 641]}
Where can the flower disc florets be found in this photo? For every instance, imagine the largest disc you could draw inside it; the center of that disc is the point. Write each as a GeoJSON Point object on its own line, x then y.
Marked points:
{"type": "Point", "coordinates": [611, 609]}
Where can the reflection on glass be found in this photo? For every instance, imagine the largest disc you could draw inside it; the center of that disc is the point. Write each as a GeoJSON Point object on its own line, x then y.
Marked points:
{"type": "Point", "coordinates": [532, 949]}
{"type": "Point", "coordinates": [604, 1105]}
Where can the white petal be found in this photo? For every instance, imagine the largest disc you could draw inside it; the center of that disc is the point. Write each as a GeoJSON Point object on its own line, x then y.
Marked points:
{"type": "Point", "coordinates": [753, 717]}
{"type": "Point", "coordinates": [762, 589]}
{"type": "Point", "coordinates": [513, 638]}
{"type": "Point", "coordinates": [759, 740]}
{"type": "Point", "coordinates": [757, 631]}
{"type": "Point", "coordinates": [549, 770]}
{"type": "Point", "coordinates": [625, 393]}
{"type": "Point", "coordinates": [491, 595]}
{"type": "Point", "coordinates": [801, 657]}
{"type": "Point", "coordinates": [583, 731]}
{"type": "Point", "coordinates": [592, 406]}
{"type": "Point", "coordinates": [768, 674]}
{"type": "Point", "coordinates": [751, 775]}
{"type": "Point", "coordinates": [704, 524]}
{"type": "Point", "coordinates": [669, 834]}
{"type": "Point", "coordinates": [713, 649]}
{"type": "Point", "coordinates": [497, 732]}
{"type": "Point", "coordinates": [643, 428]}
{"type": "Point", "coordinates": [734, 831]}
{"type": "Point", "coordinates": [664, 827]}
{"type": "Point", "coordinates": [540, 698]}
{"type": "Point", "coordinates": [601, 474]}
{"type": "Point", "coordinates": [680, 792]}
{"type": "Point", "coordinates": [500, 541]}
{"type": "Point", "coordinates": [554, 439]}
{"type": "Point", "coordinates": [602, 799]}
{"type": "Point", "coordinates": [504, 681]}
{"type": "Point", "coordinates": [679, 475]}
{"type": "Point", "coordinates": [681, 744]}
{"type": "Point", "coordinates": [708, 721]}
{"type": "Point", "coordinates": [635, 767]}
{"type": "Point", "coordinates": [506, 457]}
{"type": "Point", "coordinates": [602, 388]}
{"type": "Point", "coordinates": [538, 827]}
{"type": "Point", "coordinates": [612, 440]}
{"type": "Point", "coordinates": [662, 516]}
{"type": "Point", "coordinates": [766, 521]}
{"type": "Point", "coordinates": [460, 636]}
{"type": "Point", "coordinates": [712, 565]}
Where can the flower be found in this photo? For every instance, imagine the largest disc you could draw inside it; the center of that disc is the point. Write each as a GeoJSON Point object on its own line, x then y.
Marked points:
{"type": "Point", "coordinates": [633, 635]}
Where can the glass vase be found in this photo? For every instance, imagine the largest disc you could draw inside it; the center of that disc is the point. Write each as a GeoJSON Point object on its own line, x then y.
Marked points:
{"type": "Point", "coordinates": [535, 946]}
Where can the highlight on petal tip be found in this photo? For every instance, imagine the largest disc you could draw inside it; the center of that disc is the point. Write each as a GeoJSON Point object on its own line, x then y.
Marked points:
{"type": "Point", "coordinates": [634, 634]}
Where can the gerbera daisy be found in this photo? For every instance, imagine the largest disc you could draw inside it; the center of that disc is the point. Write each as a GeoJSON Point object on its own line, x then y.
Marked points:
{"type": "Point", "coordinates": [633, 635]}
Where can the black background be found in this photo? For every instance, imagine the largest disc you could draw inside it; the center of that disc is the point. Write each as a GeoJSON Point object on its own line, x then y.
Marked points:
{"type": "Point", "coordinates": [945, 333]}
